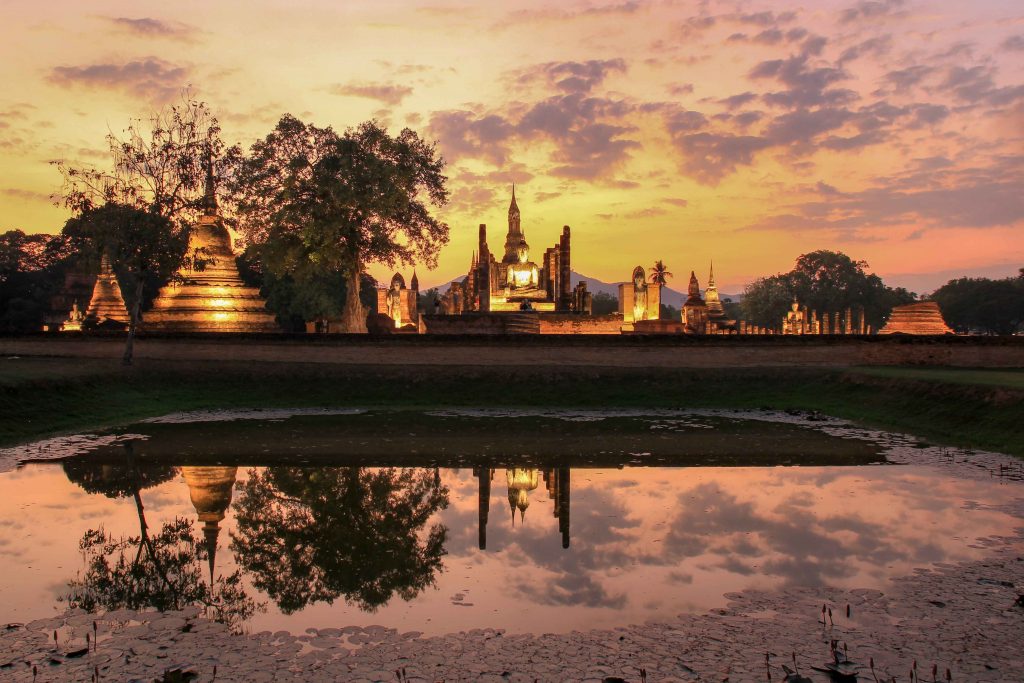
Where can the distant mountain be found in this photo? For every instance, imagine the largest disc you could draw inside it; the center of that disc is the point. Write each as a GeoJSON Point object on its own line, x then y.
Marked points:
{"type": "Point", "coordinates": [672, 297]}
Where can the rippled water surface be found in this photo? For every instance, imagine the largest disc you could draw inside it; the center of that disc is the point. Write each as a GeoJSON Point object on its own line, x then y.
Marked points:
{"type": "Point", "coordinates": [436, 522]}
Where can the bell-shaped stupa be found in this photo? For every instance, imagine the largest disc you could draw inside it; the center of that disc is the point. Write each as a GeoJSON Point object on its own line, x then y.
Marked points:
{"type": "Point", "coordinates": [210, 490]}
{"type": "Point", "coordinates": [106, 303]}
{"type": "Point", "coordinates": [213, 298]}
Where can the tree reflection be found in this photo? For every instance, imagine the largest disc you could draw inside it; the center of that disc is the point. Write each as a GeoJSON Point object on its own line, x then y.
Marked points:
{"type": "Point", "coordinates": [312, 535]}
{"type": "Point", "coordinates": [162, 571]}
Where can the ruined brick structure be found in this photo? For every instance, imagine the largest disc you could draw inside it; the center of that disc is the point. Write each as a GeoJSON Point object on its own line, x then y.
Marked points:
{"type": "Point", "coordinates": [515, 283]}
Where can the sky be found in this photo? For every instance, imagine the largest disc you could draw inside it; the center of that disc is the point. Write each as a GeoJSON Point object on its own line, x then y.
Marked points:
{"type": "Point", "coordinates": [746, 133]}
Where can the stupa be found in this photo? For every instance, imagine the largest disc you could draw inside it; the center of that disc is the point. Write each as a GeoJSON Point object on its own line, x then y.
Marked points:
{"type": "Point", "coordinates": [923, 317]}
{"type": "Point", "coordinates": [210, 491]}
{"type": "Point", "coordinates": [107, 304]}
{"type": "Point", "coordinates": [213, 299]}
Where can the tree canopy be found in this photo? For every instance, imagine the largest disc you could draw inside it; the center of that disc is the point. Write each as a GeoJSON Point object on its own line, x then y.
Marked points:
{"type": "Point", "coordinates": [659, 273]}
{"type": "Point", "coordinates": [319, 202]}
{"type": "Point", "coordinates": [983, 305]}
{"type": "Point", "coordinates": [144, 245]}
{"type": "Point", "coordinates": [826, 282]}
{"type": "Point", "coordinates": [32, 270]}
{"type": "Point", "coordinates": [312, 535]}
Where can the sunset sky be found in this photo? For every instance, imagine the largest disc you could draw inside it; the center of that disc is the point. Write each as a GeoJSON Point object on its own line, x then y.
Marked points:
{"type": "Point", "coordinates": [744, 132]}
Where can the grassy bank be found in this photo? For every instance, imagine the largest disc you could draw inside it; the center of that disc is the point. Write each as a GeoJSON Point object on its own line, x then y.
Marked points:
{"type": "Point", "coordinates": [40, 396]}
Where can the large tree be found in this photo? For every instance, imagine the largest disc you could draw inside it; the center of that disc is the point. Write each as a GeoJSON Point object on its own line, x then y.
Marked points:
{"type": "Point", "coordinates": [983, 305]}
{"type": "Point", "coordinates": [826, 282]}
{"type": "Point", "coordinates": [308, 535]}
{"type": "Point", "coordinates": [144, 203]}
{"type": "Point", "coordinates": [158, 164]}
{"type": "Point", "coordinates": [144, 245]}
{"type": "Point", "coordinates": [321, 202]}
{"type": "Point", "coordinates": [31, 272]}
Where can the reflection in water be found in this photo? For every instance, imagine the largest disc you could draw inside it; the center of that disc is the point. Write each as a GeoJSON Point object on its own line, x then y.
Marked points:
{"type": "Point", "coordinates": [313, 535]}
{"type": "Point", "coordinates": [326, 545]}
{"type": "Point", "coordinates": [162, 570]}
{"type": "Point", "coordinates": [210, 491]}
{"type": "Point", "coordinates": [520, 482]}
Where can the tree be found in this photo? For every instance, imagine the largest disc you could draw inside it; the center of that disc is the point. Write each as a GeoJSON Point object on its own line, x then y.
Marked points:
{"type": "Point", "coordinates": [604, 303]}
{"type": "Point", "coordinates": [325, 202]}
{"type": "Point", "coordinates": [304, 294]}
{"type": "Point", "coordinates": [312, 535]}
{"type": "Point", "coordinates": [162, 571]}
{"type": "Point", "coordinates": [158, 166]}
{"type": "Point", "coordinates": [659, 274]}
{"type": "Point", "coordinates": [142, 206]}
{"type": "Point", "coordinates": [982, 305]}
{"type": "Point", "coordinates": [826, 282]}
{"type": "Point", "coordinates": [31, 271]}
{"type": "Point", "coordinates": [144, 244]}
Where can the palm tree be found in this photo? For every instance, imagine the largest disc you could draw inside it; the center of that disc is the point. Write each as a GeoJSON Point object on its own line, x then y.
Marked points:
{"type": "Point", "coordinates": [659, 273]}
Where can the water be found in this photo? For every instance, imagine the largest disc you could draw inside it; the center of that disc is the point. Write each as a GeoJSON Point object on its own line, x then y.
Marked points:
{"type": "Point", "coordinates": [445, 521]}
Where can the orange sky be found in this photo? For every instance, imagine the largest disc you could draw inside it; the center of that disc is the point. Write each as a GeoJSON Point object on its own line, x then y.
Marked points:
{"type": "Point", "coordinates": [746, 132]}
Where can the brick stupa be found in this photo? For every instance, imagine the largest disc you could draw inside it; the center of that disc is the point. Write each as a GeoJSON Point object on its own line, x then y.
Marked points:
{"type": "Point", "coordinates": [920, 318]}
{"type": "Point", "coordinates": [214, 299]}
{"type": "Point", "coordinates": [107, 304]}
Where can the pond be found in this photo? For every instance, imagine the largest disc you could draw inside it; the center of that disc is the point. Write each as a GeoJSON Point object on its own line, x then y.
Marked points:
{"type": "Point", "coordinates": [440, 521]}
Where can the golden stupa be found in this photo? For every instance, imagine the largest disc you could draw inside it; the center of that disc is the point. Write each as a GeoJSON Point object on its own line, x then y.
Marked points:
{"type": "Point", "coordinates": [106, 303]}
{"type": "Point", "coordinates": [213, 299]}
{"type": "Point", "coordinates": [210, 490]}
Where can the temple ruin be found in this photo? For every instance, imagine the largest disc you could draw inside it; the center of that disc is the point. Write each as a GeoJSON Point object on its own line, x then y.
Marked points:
{"type": "Point", "coordinates": [212, 298]}
{"type": "Point", "coordinates": [923, 317]}
{"type": "Point", "coordinates": [515, 283]}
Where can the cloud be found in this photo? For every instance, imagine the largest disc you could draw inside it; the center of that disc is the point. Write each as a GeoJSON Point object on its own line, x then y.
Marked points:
{"type": "Point", "coordinates": [807, 85]}
{"type": "Point", "coordinates": [736, 101]}
{"type": "Point", "coordinates": [387, 93]}
{"type": "Point", "coordinates": [463, 133]}
{"type": "Point", "coordinates": [709, 157]}
{"type": "Point", "coordinates": [151, 78]}
{"type": "Point", "coordinates": [930, 192]}
{"type": "Point", "coordinates": [155, 28]}
{"type": "Point", "coordinates": [574, 77]}
{"type": "Point", "coordinates": [868, 10]}
{"type": "Point", "coordinates": [876, 47]}
{"type": "Point", "coordinates": [25, 195]}
{"type": "Point", "coordinates": [976, 85]}
{"type": "Point", "coordinates": [1015, 43]}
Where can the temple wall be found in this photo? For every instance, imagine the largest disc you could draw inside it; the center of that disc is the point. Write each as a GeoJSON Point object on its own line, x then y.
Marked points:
{"type": "Point", "coordinates": [569, 323]}
{"type": "Point", "coordinates": [478, 348]}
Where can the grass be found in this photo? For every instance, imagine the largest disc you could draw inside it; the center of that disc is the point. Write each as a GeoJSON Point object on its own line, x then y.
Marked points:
{"type": "Point", "coordinates": [1009, 378]}
{"type": "Point", "coordinates": [972, 408]}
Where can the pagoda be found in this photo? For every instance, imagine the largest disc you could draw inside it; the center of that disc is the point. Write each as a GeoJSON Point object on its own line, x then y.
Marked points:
{"type": "Point", "coordinates": [923, 317]}
{"type": "Point", "coordinates": [107, 304]}
{"type": "Point", "coordinates": [213, 298]}
{"type": "Point", "coordinates": [210, 491]}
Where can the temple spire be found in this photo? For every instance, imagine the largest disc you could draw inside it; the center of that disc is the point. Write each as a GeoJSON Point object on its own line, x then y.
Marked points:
{"type": "Point", "coordinates": [209, 203]}
{"type": "Point", "coordinates": [414, 284]}
{"type": "Point", "coordinates": [711, 275]}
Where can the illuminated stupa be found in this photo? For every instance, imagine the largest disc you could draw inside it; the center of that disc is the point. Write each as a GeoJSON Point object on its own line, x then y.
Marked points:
{"type": "Point", "coordinates": [210, 490]}
{"type": "Point", "coordinates": [106, 303]}
{"type": "Point", "coordinates": [924, 317]}
{"type": "Point", "coordinates": [213, 299]}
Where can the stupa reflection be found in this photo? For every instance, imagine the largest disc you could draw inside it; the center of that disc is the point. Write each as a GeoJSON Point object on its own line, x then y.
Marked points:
{"type": "Point", "coordinates": [520, 482]}
{"type": "Point", "coordinates": [210, 488]}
